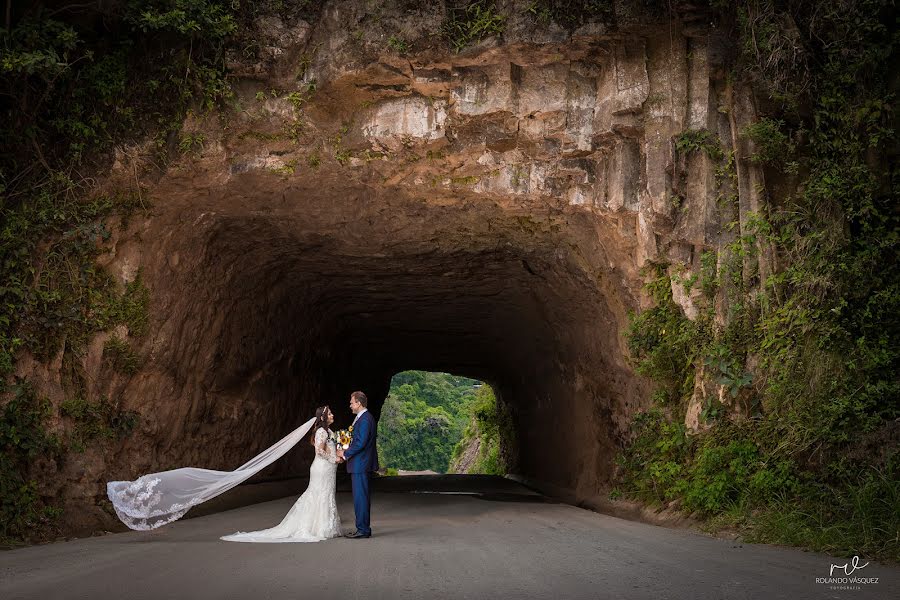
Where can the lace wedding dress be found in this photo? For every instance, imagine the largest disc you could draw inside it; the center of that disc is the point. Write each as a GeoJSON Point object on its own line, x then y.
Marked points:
{"type": "Point", "coordinates": [314, 516]}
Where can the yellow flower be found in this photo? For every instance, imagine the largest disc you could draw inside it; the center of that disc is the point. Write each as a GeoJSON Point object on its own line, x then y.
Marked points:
{"type": "Point", "coordinates": [344, 438]}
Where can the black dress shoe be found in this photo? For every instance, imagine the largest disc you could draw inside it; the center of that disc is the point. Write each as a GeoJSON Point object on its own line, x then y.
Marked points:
{"type": "Point", "coordinates": [355, 535]}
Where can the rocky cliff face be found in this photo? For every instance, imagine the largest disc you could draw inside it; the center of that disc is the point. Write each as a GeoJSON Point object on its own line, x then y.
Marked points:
{"type": "Point", "coordinates": [464, 462]}
{"type": "Point", "coordinates": [368, 206]}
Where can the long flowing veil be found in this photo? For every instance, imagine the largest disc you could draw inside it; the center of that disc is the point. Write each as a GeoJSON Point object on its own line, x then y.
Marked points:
{"type": "Point", "coordinates": [159, 498]}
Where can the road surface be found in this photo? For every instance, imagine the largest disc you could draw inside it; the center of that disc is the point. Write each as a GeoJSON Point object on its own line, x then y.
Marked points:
{"type": "Point", "coordinates": [441, 537]}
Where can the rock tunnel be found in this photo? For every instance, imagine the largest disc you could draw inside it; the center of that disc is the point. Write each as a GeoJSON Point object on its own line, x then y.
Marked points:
{"type": "Point", "coordinates": [355, 212]}
{"type": "Point", "coordinates": [276, 297]}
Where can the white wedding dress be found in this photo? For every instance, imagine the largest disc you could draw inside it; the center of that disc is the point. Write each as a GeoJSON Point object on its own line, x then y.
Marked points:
{"type": "Point", "coordinates": [314, 516]}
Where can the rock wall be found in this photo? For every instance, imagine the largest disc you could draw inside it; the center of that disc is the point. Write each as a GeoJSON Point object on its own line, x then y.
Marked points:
{"type": "Point", "coordinates": [358, 211]}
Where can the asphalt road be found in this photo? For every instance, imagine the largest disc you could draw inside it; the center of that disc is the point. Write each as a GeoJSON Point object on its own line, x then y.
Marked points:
{"type": "Point", "coordinates": [507, 543]}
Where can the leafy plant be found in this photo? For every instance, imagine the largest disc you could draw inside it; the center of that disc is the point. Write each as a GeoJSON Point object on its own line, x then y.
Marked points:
{"type": "Point", "coordinates": [699, 140]}
{"type": "Point", "coordinates": [96, 419]}
{"type": "Point", "coordinates": [398, 45]}
{"type": "Point", "coordinates": [653, 463]}
{"type": "Point", "coordinates": [720, 360]}
{"type": "Point", "coordinates": [468, 24]}
{"type": "Point", "coordinates": [300, 97]}
{"type": "Point", "coordinates": [342, 155]}
{"type": "Point", "coordinates": [773, 146]}
{"type": "Point", "coordinates": [23, 438]}
{"type": "Point", "coordinates": [712, 409]}
{"type": "Point", "coordinates": [709, 276]}
{"type": "Point", "coordinates": [663, 341]}
{"type": "Point", "coordinates": [192, 143]}
{"type": "Point", "coordinates": [119, 355]}
{"type": "Point", "coordinates": [67, 95]}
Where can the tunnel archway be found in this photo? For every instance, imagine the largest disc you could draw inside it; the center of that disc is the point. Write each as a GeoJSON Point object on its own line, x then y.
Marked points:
{"type": "Point", "coordinates": [483, 213]}
{"type": "Point", "coordinates": [333, 289]}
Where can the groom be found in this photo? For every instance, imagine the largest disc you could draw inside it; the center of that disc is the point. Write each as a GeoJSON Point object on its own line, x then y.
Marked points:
{"type": "Point", "coordinates": [362, 460]}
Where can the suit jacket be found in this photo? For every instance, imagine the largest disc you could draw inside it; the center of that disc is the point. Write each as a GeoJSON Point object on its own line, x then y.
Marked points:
{"type": "Point", "coordinates": [362, 456]}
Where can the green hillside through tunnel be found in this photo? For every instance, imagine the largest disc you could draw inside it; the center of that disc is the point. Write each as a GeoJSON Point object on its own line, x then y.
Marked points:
{"type": "Point", "coordinates": [442, 423]}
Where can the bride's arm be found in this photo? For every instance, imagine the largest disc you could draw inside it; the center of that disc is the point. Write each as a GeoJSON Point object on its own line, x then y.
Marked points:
{"type": "Point", "coordinates": [322, 448]}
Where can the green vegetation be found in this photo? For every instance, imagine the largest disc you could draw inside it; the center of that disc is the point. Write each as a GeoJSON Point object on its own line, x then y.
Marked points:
{"type": "Point", "coordinates": [398, 44]}
{"type": "Point", "coordinates": [696, 140]}
{"type": "Point", "coordinates": [288, 168]}
{"type": "Point", "coordinates": [119, 355]}
{"type": "Point", "coordinates": [492, 427]}
{"type": "Point", "coordinates": [192, 143]}
{"type": "Point", "coordinates": [571, 14]}
{"type": "Point", "coordinates": [464, 180]}
{"type": "Point", "coordinates": [801, 448]}
{"type": "Point", "coordinates": [69, 92]}
{"type": "Point", "coordinates": [774, 145]}
{"type": "Point", "coordinates": [300, 97]}
{"type": "Point", "coordinates": [472, 22]}
{"type": "Point", "coordinates": [67, 95]}
{"type": "Point", "coordinates": [93, 420]}
{"type": "Point", "coordinates": [343, 155]}
{"type": "Point", "coordinates": [23, 438]}
{"type": "Point", "coordinates": [664, 342]}
{"type": "Point", "coordinates": [424, 418]}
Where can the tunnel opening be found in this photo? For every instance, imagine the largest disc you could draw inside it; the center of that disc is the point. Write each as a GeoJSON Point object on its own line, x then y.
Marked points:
{"type": "Point", "coordinates": [438, 423]}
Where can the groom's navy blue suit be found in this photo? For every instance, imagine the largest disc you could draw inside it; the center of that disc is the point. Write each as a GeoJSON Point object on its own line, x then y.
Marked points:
{"type": "Point", "coordinates": [362, 460]}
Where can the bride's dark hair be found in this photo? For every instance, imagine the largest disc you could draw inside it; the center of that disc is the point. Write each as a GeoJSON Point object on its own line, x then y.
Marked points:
{"type": "Point", "coordinates": [321, 421]}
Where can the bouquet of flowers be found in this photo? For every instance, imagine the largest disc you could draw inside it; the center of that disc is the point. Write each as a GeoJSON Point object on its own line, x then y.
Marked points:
{"type": "Point", "coordinates": [344, 437]}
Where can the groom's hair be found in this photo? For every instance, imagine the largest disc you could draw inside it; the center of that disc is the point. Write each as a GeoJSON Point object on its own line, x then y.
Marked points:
{"type": "Point", "coordinates": [361, 398]}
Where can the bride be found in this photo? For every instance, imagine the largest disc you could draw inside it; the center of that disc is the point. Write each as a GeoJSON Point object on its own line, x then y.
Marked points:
{"type": "Point", "coordinates": [314, 516]}
{"type": "Point", "coordinates": [157, 499]}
